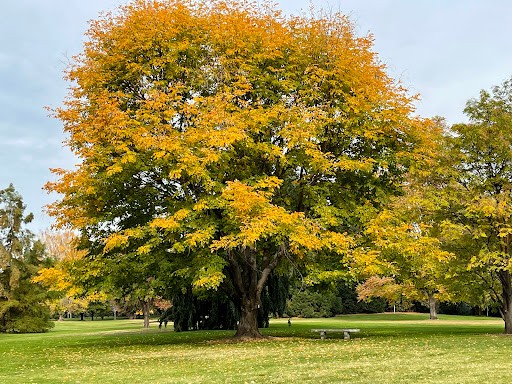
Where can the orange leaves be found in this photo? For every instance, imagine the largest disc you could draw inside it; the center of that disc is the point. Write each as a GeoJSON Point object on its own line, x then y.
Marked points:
{"type": "Point", "coordinates": [187, 82]}
{"type": "Point", "coordinates": [244, 201]}
{"type": "Point", "coordinates": [384, 287]}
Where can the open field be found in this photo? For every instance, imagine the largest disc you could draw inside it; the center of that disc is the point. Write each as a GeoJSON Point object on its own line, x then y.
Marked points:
{"type": "Point", "coordinates": [400, 348]}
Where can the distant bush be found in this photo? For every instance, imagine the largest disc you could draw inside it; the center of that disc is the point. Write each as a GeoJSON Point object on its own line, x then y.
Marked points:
{"type": "Point", "coordinates": [331, 301]}
{"type": "Point", "coordinates": [350, 304]}
{"type": "Point", "coordinates": [456, 309]}
{"type": "Point", "coordinates": [313, 304]}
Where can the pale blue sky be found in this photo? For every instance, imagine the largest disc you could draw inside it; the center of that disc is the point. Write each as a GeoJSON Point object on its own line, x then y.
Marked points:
{"type": "Point", "coordinates": [445, 50]}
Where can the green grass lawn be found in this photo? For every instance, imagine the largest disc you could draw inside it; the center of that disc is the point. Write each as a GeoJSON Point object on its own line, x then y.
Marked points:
{"type": "Point", "coordinates": [391, 348]}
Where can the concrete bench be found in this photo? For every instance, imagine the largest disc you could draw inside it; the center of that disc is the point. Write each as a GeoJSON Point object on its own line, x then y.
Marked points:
{"type": "Point", "coordinates": [346, 332]}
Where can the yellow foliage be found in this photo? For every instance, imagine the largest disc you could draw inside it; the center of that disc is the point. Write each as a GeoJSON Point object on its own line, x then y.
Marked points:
{"type": "Point", "coordinates": [210, 281]}
{"type": "Point", "coordinates": [145, 249]}
{"type": "Point", "coordinates": [55, 278]}
{"type": "Point", "coordinates": [199, 238]}
{"type": "Point", "coordinates": [116, 240]}
{"type": "Point", "coordinates": [172, 222]}
{"type": "Point", "coordinates": [228, 125]}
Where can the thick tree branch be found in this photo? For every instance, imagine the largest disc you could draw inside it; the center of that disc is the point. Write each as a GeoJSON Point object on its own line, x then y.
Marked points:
{"type": "Point", "coordinates": [270, 267]}
{"type": "Point", "coordinates": [253, 272]}
{"type": "Point", "coordinates": [236, 274]}
{"type": "Point", "coordinates": [230, 292]}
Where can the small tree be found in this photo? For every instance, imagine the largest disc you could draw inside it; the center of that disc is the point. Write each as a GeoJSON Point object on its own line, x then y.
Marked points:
{"type": "Point", "coordinates": [410, 256]}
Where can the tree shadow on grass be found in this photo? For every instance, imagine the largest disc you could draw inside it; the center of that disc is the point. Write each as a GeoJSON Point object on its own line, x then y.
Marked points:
{"type": "Point", "coordinates": [275, 333]}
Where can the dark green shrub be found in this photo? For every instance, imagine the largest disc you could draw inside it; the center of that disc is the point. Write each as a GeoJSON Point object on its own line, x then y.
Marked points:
{"type": "Point", "coordinates": [313, 304]}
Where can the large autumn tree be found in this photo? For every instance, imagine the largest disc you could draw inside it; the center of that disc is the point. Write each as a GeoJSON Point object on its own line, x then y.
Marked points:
{"type": "Point", "coordinates": [226, 140]}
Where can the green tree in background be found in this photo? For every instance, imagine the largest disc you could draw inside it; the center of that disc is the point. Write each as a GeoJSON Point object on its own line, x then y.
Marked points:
{"type": "Point", "coordinates": [22, 302]}
{"type": "Point", "coordinates": [478, 198]}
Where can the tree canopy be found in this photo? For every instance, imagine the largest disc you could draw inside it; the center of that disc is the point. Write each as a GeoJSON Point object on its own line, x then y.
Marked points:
{"type": "Point", "coordinates": [224, 140]}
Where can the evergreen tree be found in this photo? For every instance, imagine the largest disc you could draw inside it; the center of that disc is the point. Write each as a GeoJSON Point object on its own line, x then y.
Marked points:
{"type": "Point", "coordinates": [351, 304]}
{"type": "Point", "coordinates": [22, 306]}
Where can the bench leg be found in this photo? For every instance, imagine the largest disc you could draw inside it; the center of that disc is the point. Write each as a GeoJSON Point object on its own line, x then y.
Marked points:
{"type": "Point", "coordinates": [346, 335]}
{"type": "Point", "coordinates": [322, 335]}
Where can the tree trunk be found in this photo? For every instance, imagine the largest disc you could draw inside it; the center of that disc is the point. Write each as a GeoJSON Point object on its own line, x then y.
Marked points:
{"type": "Point", "coordinates": [113, 307]}
{"type": "Point", "coordinates": [145, 311]}
{"type": "Point", "coordinates": [507, 317]}
{"type": "Point", "coordinates": [506, 286]}
{"type": "Point", "coordinates": [248, 324]}
{"type": "Point", "coordinates": [432, 304]}
{"type": "Point", "coordinates": [248, 280]}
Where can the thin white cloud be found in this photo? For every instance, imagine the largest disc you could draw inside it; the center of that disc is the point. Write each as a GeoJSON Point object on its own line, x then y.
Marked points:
{"type": "Point", "coordinates": [22, 142]}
